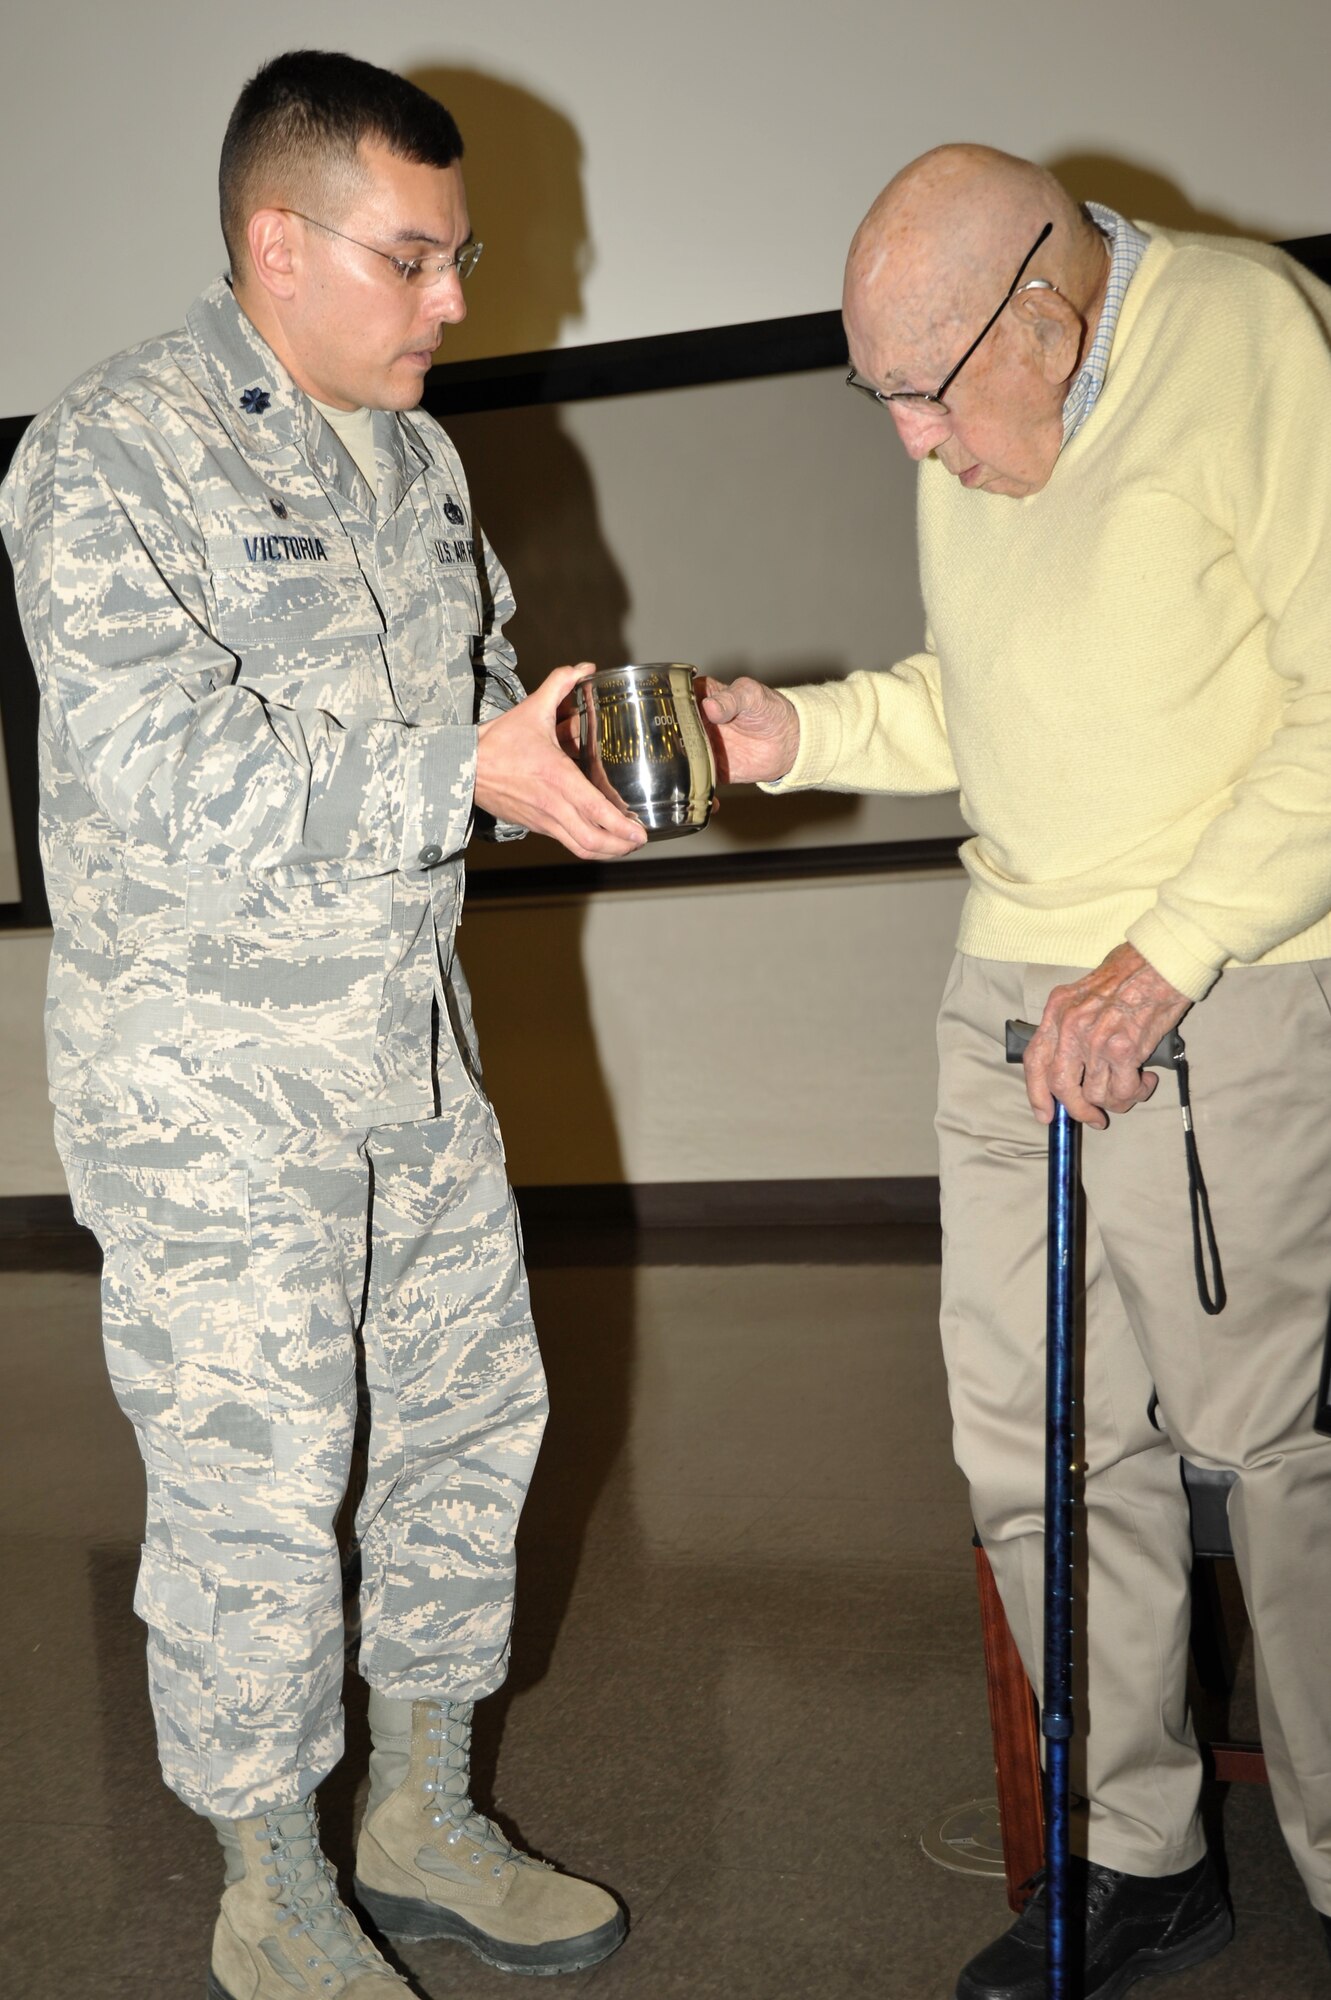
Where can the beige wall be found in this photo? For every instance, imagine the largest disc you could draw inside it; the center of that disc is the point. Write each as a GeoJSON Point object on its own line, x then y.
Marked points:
{"type": "Point", "coordinates": [28, 1164]}
{"type": "Point", "coordinates": [638, 170]}
{"type": "Point", "coordinates": [667, 1036]}
{"type": "Point", "coordinates": [763, 527]}
{"type": "Point", "coordinates": [772, 1034]}
{"type": "Point", "coordinates": [663, 1035]}
{"type": "Point", "coordinates": [635, 168]}
{"type": "Point", "coordinates": [9, 877]}
{"type": "Point", "coordinates": [759, 527]}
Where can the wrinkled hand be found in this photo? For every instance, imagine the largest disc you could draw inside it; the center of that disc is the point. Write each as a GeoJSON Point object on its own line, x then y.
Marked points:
{"type": "Point", "coordinates": [1095, 1035]}
{"type": "Point", "coordinates": [524, 776]}
{"type": "Point", "coordinates": [755, 731]}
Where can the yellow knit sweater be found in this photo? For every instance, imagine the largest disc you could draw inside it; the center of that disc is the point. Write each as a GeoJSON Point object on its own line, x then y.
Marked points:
{"type": "Point", "coordinates": [1128, 674]}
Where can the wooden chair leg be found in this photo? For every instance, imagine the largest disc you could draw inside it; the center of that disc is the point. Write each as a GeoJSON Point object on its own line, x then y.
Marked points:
{"type": "Point", "coordinates": [1239, 1763]}
{"type": "Point", "coordinates": [1015, 1727]}
{"type": "Point", "coordinates": [1014, 1723]}
{"type": "Point", "coordinates": [1233, 1763]}
{"type": "Point", "coordinates": [1212, 1655]}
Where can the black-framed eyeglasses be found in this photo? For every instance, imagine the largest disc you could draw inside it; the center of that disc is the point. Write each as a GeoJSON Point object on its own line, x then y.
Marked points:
{"type": "Point", "coordinates": [418, 272]}
{"type": "Point", "coordinates": [934, 398]}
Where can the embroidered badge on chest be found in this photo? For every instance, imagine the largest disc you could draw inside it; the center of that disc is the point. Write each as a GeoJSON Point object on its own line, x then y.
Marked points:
{"type": "Point", "coordinates": [453, 512]}
{"type": "Point", "coordinates": [452, 553]}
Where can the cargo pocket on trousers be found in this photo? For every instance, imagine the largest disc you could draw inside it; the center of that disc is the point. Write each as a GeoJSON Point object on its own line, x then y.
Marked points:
{"type": "Point", "coordinates": [178, 1604]}
{"type": "Point", "coordinates": [216, 1345]}
{"type": "Point", "coordinates": [179, 1317]}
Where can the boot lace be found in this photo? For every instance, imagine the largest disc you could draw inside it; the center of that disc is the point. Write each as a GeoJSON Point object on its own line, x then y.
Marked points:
{"type": "Point", "coordinates": [319, 1926]}
{"type": "Point", "coordinates": [449, 1807]}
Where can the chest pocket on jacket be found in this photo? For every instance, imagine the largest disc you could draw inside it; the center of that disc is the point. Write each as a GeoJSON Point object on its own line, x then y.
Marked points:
{"type": "Point", "coordinates": [453, 549]}
{"type": "Point", "coordinates": [458, 585]}
{"type": "Point", "coordinates": [433, 597]}
{"type": "Point", "coordinates": [306, 635]}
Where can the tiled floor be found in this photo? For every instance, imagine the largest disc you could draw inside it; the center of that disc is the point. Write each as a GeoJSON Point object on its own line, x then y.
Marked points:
{"type": "Point", "coordinates": [747, 1670]}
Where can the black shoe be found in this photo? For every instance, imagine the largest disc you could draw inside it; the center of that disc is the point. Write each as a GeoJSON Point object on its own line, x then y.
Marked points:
{"type": "Point", "coordinates": [1120, 1928]}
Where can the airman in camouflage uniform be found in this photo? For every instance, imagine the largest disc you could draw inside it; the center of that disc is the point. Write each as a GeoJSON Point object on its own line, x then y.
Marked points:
{"type": "Point", "coordinates": [262, 683]}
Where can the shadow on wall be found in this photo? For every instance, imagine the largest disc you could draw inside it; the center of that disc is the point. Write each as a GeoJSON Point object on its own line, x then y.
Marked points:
{"type": "Point", "coordinates": [532, 488]}
{"type": "Point", "coordinates": [523, 168]}
{"type": "Point", "coordinates": [1145, 195]}
{"type": "Point", "coordinates": [542, 1068]}
{"type": "Point", "coordinates": [532, 491]}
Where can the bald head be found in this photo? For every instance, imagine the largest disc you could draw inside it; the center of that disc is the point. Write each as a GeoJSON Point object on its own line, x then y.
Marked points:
{"type": "Point", "coordinates": [928, 296]}
{"type": "Point", "coordinates": [939, 246]}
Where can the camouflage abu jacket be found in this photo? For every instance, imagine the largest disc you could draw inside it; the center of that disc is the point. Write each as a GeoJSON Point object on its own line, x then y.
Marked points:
{"type": "Point", "coordinates": [260, 689]}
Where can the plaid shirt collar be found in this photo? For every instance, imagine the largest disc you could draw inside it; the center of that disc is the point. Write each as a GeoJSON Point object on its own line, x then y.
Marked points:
{"type": "Point", "coordinates": [1127, 247]}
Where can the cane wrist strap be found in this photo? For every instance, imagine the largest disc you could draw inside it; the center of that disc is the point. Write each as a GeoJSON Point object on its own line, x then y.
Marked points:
{"type": "Point", "coordinates": [1211, 1291]}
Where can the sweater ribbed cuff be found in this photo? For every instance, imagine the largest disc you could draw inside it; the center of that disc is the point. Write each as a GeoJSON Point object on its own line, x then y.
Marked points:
{"type": "Point", "coordinates": [820, 739]}
{"type": "Point", "coordinates": [1172, 959]}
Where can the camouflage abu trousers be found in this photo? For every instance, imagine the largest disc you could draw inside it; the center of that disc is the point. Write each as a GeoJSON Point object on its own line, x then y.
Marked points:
{"type": "Point", "coordinates": [232, 1298]}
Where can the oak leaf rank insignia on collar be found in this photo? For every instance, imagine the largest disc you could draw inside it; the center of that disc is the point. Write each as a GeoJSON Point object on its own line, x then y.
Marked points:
{"type": "Point", "coordinates": [255, 401]}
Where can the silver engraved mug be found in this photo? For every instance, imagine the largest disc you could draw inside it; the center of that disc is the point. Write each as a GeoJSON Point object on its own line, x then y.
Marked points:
{"type": "Point", "coordinates": [641, 741]}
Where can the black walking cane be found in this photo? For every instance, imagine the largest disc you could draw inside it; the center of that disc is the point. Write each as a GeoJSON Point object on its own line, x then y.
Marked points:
{"type": "Point", "coordinates": [1056, 1709]}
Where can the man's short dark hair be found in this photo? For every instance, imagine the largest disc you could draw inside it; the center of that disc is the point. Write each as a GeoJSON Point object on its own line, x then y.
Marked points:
{"type": "Point", "coordinates": [301, 118]}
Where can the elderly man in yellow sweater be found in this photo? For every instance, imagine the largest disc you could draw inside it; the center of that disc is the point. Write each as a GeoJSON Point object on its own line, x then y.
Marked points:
{"type": "Point", "coordinates": [1124, 438]}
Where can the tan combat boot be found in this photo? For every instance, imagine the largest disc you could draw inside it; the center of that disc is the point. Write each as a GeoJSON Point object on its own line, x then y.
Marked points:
{"type": "Point", "coordinates": [284, 1931]}
{"type": "Point", "coordinates": [428, 1865]}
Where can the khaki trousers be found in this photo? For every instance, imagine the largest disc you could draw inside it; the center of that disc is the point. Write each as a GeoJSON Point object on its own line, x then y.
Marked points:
{"type": "Point", "coordinates": [1236, 1391]}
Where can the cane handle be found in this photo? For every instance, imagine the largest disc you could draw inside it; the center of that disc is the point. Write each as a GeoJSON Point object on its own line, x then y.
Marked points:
{"type": "Point", "coordinates": [1164, 1055]}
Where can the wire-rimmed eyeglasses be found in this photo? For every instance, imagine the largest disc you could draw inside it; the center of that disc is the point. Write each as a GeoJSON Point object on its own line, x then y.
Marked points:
{"type": "Point", "coordinates": [934, 398]}
{"type": "Point", "coordinates": [418, 272]}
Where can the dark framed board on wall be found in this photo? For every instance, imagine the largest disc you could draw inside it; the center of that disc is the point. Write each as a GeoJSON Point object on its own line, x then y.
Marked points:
{"type": "Point", "coordinates": [712, 496]}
